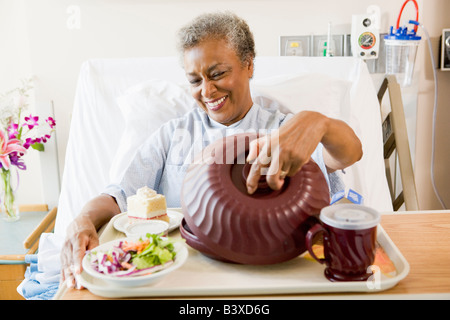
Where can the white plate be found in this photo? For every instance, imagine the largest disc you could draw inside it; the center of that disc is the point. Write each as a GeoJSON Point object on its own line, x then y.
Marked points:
{"type": "Point", "coordinates": [149, 226]}
{"type": "Point", "coordinates": [202, 276]}
{"type": "Point", "coordinates": [121, 220]}
{"type": "Point", "coordinates": [136, 281]}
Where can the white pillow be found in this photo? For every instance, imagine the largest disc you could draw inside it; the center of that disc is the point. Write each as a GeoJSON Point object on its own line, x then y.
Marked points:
{"type": "Point", "coordinates": [312, 91]}
{"type": "Point", "coordinates": [145, 108]}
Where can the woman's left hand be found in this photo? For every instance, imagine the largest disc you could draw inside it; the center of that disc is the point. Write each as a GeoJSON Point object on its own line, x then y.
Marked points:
{"type": "Point", "coordinates": [284, 152]}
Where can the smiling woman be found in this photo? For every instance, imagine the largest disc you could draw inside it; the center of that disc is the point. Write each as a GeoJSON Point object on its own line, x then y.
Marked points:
{"type": "Point", "coordinates": [219, 81]}
{"type": "Point", "coordinates": [217, 53]}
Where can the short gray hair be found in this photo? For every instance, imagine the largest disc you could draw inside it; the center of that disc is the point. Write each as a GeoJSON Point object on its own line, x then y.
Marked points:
{"type": "Point", "coordinates": [215, 26]}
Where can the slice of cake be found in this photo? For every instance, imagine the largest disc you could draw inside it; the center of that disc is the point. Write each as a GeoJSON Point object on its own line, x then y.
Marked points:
{"type": "Point", "coordinates": [146, 204]}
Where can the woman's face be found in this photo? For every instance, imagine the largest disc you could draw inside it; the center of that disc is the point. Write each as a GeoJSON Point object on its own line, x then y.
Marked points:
{"type": "Point", "coordinates": [219, 81]}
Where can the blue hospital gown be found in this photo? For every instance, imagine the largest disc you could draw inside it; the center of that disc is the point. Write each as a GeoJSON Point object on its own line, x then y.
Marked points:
{"type": "Point", "coordinates": [163, 159]}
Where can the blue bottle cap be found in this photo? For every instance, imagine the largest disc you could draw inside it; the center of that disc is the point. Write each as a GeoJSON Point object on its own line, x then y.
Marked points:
{"type": "Point", "coordinates": [402, 33]}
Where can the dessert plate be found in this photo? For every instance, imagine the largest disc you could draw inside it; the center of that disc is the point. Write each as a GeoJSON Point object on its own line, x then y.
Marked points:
{"type": "Point", "coordinates": [121, 221]}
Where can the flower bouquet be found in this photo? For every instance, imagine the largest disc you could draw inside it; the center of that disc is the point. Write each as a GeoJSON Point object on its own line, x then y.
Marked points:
{"type": "Point", "coordinates": [17, 135]}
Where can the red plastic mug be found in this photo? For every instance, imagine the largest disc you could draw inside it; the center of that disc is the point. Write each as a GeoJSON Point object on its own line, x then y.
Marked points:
{"type": "Point", "coordinates": [349, 240]}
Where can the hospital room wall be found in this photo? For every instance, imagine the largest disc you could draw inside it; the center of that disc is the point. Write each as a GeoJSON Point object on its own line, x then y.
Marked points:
{"type": "Point", "coordinates": [50, 39]}
{"type": "Point", "coordinates": [435, 16]}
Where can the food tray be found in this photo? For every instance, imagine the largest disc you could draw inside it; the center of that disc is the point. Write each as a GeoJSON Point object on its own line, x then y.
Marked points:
{"type": "Point", "coordinates": [203, 276]}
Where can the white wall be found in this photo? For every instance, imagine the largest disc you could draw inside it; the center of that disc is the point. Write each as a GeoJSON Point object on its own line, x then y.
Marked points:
{"type": "Point", "coordinates": [51, 43]}
{"type": "Point", "coordinates": [15, 65]}
{"type": "Point", "coordinates": [435, 18]}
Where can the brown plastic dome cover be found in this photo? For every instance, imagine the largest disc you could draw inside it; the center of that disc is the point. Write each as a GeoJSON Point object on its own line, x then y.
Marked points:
{"type": "Point", "coordinates": [226, 223]}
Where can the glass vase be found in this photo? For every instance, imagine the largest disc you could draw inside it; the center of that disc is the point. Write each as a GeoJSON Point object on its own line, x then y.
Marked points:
{"type": "Point", "coordinates": [8, 200]}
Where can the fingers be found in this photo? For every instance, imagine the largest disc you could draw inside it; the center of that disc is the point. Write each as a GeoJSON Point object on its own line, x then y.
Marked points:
{"type": "Point", "coordinates": [266, 162]}
{"type": "Point", "coordinates": [72, 279]}
{"type": "Point", "coordinates": [259, 154]}
{"type": "Point", "coordinates": [253, 177]}
{"type": "Point", "coordinates": [276, 163]}
{"type": "Point", "coordinates": [65, 263]}
{"type": "Point", "coordinates": [72, 257]}
{"type": "Point", "coordinates": [278, 171]}
{"type": "Point", "coordinates": [67, 266]}
{"type": "Point", "coordinates": [274, 176]}
{"type": "Point", "coordinates": [255, 148]}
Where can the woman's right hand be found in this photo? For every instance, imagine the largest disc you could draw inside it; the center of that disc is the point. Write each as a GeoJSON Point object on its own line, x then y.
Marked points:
{"type": "Point", "coordinates": [81, 236]}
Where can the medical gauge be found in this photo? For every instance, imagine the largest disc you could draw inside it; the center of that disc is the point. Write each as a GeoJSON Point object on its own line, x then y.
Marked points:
{"type": "Point", "coordinates": [366, 33]}
{"type": "Point", "coordinates": [367, 40]}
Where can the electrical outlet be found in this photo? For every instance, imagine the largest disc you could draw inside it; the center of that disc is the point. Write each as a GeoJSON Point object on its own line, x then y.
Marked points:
{"type": "Point", "coordinates": [295, 46]}
{"type": "Point", "coordinates": [319, 44]}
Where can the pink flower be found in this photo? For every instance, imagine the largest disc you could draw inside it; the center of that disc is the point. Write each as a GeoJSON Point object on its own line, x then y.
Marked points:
{"type": "Point", "coordinates": [45, 137]}
{"type": "Point", "coordinates": [31, 122]}
{"type": "Point", "coordinates": [51, 122]}
{"type": "Point", "coordinates": [28, 143]}
{"type": "Point", "coordinates": [8, 146]}
{"type": "Point", "coordinates": [13, 130]}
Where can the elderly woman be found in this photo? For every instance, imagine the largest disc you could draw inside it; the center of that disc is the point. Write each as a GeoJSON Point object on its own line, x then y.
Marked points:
{"type": "Point", "coordinates": [218, 52]}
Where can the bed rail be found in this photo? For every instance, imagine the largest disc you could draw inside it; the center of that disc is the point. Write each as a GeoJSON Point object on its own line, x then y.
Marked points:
{"type": "Point", "coordinates": [395, 138]}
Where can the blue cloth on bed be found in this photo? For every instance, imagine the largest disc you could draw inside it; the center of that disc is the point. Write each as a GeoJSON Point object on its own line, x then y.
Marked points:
{"type": "Point", "coordinates": [32, 288]}
{"type": "Point", "coordinates": [42, 276]}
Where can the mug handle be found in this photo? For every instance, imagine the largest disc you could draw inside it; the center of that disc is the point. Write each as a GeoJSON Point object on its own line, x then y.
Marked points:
{"type": "Point", "coordinates": [309, 240]}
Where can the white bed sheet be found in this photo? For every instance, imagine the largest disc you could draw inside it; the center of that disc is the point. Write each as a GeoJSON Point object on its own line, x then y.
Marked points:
{"type": "Point", "coordinates": [98, 123]}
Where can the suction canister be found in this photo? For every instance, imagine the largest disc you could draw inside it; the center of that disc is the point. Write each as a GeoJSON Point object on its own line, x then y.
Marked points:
{"type": "Point", "coordinates": [401, 49]}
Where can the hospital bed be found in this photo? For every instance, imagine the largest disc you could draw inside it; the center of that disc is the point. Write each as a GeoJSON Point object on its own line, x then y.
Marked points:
{"type": "Point", "coordinates": [395, 141]}
{"type": "Point", "coordinates": [119, 102]}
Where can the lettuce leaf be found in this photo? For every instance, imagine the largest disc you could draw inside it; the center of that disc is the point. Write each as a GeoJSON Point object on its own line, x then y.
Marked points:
{"type": "Point", "coordinates": [159, 251]}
